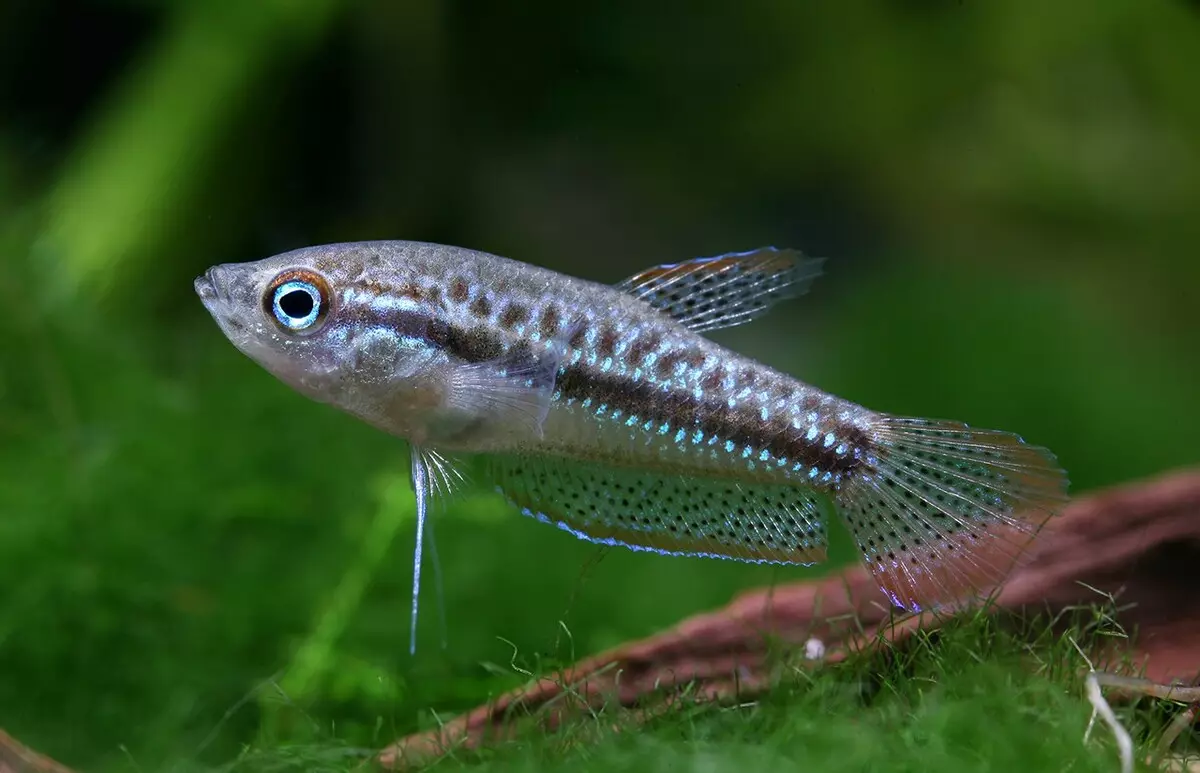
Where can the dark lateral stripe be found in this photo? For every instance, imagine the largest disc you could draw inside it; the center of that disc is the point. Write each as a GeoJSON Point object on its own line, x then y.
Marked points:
{"type": "Point", "coordinates": [743, 425]}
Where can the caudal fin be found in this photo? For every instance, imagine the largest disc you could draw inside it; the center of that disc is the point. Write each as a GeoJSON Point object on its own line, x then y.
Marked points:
{"type": "Point", "coordinates": [947, 511]}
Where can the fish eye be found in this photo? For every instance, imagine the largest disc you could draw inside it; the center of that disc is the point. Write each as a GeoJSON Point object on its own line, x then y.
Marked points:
{"type": "Point", "coordinates": [298, 301]}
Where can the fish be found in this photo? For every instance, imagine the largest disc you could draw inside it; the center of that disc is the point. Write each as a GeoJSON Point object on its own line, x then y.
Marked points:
{"type": "Point", "coordinates": [607, 411]}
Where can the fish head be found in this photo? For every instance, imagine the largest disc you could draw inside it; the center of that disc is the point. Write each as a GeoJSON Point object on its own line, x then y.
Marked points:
{"type": "Point", "coordinates": [322, 321]}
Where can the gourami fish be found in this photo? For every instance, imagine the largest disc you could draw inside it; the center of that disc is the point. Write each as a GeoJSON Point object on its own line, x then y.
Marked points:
{"type": "Point", "coordinates": [605, 411]}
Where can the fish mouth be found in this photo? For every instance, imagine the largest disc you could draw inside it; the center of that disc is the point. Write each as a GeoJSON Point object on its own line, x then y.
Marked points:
{"type": "Point", "coordinates": [213, 289]}
{"type": "Point", "coordinates": [204, 288]}
{"type": "Point", "coordinates": [210, 288]}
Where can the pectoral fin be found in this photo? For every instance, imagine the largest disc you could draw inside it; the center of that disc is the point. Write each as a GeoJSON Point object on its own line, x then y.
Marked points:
{"type": "Point", "coordinates": [511, 393]}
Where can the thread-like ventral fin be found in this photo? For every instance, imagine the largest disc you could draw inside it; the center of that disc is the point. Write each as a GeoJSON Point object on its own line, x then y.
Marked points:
{"type": "Point", "coordinates": [727, 290]}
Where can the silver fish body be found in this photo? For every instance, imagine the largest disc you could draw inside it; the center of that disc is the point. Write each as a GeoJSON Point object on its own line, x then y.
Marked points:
{"type": "Point", "coordinates": [604, 409]}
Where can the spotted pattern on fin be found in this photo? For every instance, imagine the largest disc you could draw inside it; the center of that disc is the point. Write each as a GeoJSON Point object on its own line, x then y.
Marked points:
{"type": "Point", "coordinates": [671, 515]}
{"type": "Point", "coordinates": [948, 511]}
{"type": "Point", "coordinates": [724, 291]}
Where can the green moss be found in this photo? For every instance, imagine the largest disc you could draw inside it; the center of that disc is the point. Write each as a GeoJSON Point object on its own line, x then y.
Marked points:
{"type": "Point", "coordinates": [976, 695]}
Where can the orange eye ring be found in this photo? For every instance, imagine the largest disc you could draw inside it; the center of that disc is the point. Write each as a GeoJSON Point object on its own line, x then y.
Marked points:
{"type": "Point", "coordinates": [298, 301]}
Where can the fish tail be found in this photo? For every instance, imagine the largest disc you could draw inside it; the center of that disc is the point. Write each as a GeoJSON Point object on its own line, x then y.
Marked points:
{"type": "Point", "coordinates": [942, 513]}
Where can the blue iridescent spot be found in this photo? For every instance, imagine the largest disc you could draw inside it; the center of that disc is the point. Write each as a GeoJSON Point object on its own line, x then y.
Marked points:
{"type": "Point", "coordinates": [811, 434]}
{"type": "Point", "coordinates": [829, 438]}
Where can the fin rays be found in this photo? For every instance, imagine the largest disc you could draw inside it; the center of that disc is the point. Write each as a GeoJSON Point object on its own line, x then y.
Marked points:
{"type": "Point", "coordinates": [949, 511]}
{"type": "Point", "coordinates": [711, 293]}
{"type": "Point", "coordinates": [672, 515]}
{"type": "Point", "coordinates": [434, 478]}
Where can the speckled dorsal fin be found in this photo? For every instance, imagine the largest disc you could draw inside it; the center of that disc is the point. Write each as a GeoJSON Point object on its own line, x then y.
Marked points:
{"type": "Point", "coordinates": [667, 514]}
{"type": "Point", "coordinates": [726, 290]}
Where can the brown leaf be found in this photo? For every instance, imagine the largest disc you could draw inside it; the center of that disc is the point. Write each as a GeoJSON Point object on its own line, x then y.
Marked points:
{"type": "Point", "coordinates": [1139, 543]}
{"type": "Point", "coordinates": [18, 758]}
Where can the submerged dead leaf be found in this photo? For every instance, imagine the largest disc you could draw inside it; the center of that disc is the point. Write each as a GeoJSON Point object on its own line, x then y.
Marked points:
{"type": "Point", "coordinates": [15, 757]}
{"type": "Point", "coordinates": [1138, 543]}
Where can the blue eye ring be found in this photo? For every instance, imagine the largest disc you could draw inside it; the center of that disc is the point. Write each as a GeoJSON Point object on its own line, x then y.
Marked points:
{"type": "Point", "coordinates": [298, 301]}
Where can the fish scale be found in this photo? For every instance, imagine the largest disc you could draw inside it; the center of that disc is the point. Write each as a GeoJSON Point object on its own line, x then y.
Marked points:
{"type": "Point", "coordinates": [598, 370]}
{"type": "Point", "coordinates": [605, 411]}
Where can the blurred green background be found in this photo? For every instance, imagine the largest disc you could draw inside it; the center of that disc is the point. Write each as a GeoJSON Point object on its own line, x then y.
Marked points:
{"type": "Point", "coordinates": [194, 558]}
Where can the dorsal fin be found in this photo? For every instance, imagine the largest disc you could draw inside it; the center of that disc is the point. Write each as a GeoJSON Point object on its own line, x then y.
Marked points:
{"type": "Point", "coordinates": [726, 290]}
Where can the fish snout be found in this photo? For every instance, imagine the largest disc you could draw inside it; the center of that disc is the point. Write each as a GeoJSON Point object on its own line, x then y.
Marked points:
{"type": "Point", "coordinates": [213, 285]}
{"type": "Point", "coordinates": [204, 288]}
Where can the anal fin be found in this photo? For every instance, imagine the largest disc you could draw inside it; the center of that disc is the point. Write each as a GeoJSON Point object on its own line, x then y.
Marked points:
{"type": "Point", "coordinates": [668, 514]}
